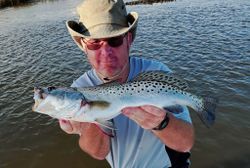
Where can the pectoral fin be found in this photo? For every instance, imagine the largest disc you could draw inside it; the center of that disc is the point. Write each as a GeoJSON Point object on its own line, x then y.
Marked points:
{"type": "Point", "coordinates": [99, 104]}
{"type": "Point", "coordinates": [105, 123]}
{"type": "Point", "coordinates": [107, 127]}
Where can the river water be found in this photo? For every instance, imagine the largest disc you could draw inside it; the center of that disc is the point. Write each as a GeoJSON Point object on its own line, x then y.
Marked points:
{"type": "Point", "coordinates": [206, 42]}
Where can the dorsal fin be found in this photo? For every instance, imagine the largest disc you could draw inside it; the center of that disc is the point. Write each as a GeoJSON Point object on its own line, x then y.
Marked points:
{"type": "Point", "coordinates": [162, 76]}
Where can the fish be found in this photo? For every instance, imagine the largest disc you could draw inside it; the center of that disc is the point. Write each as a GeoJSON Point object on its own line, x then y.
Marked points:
{"type": "Point", "coordinates": [99, 104]}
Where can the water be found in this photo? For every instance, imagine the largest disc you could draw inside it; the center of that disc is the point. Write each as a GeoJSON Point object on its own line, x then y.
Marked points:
{"type": "Point", "coordinates": [205, 42]}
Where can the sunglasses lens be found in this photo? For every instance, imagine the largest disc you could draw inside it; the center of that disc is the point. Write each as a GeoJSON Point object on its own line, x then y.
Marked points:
{"type": "Point", "coordinates": [116, 41]}
{"type": "Point", "coordinates": [96, 44]}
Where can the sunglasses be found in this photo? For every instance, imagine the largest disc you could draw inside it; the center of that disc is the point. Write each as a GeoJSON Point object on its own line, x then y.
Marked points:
{"type": "Point", "coordinates": [95, 44]}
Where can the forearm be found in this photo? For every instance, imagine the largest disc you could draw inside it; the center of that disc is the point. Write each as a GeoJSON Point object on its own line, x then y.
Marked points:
{"type": "Point", "coordinates": [178, 135]}
{"type": "Point", "coordinates": [94, 142]}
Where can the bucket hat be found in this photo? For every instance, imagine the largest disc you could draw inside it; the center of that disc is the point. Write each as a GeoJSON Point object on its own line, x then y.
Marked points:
{"type": "Point", "coordinates": [102, 19]}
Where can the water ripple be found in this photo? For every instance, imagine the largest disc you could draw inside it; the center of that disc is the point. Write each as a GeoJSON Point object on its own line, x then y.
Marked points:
{"type": "Point", "coordinates": [205, 42]}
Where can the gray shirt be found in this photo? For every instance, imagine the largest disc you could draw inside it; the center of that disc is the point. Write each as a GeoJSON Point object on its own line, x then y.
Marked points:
{"type": "Point", "coordinates": [133, 146]}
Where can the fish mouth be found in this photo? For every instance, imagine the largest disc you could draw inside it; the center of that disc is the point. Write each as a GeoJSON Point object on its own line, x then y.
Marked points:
{"type": "Point", "coordinates": [39, 96]}
{"type": "Point", "coordinates": [38, 93]}
{"type": "Point", "coordinates": [34, 107]}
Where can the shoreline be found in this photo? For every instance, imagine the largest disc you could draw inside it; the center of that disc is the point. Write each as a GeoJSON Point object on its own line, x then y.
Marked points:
{"type": "Point", "coordinates": [150, 2]}
{"type": "Point", "coordinates": [17, 3]}
{"type": "Point", "coordinates": [14, 3]}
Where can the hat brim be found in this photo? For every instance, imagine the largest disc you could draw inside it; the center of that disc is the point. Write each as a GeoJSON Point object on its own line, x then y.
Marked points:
{"type": "Point", "coordinates": [77, 30]}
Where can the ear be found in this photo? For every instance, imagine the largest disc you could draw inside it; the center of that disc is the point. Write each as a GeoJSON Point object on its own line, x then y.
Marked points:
{"type": "Point", "coordinates": [129, 38]}
{"type": "Point", "coordinates": [82, 44]}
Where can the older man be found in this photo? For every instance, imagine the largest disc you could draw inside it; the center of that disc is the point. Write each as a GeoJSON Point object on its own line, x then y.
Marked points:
{"type": "Point", "coordinates": [146, 136]}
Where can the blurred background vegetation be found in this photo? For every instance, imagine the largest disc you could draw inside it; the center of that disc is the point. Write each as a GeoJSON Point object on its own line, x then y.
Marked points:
{"type": "Point", "coordinates": [16, 3]}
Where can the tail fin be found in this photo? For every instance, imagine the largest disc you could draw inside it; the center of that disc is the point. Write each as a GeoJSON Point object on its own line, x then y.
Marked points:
{"type": "Point", "coordinates": [207, 112]}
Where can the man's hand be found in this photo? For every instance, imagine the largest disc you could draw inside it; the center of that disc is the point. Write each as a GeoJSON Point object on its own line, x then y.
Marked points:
{"type": "Point", "coordinates": [178, 135]}
{"type": "Point", "coordinates": [92, 140]}
{"type": "Point", "coordinates": [73, 127]}
{"type": "Point", "coordinates": [146, 116]}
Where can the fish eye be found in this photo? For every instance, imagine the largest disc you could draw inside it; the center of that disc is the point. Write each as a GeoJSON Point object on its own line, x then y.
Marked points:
{"type": "Point", "coordinates": [51, 88]}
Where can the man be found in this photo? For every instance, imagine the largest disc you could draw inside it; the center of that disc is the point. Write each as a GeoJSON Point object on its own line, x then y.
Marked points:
{"type": "Point", "coordinates": [146, 136]}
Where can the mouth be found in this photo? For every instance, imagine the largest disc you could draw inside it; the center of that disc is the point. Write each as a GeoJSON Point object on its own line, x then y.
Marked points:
{"type": "Point", "coordinates": [39, 96]}
{"type": "Point", "coordinates": [109, 63]}
{"type": "Point", "coordinates": [38, 93]}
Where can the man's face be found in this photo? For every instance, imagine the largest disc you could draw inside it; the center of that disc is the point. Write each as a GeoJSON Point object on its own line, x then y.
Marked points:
{"type": "Point", "coordinates": [105, 59]}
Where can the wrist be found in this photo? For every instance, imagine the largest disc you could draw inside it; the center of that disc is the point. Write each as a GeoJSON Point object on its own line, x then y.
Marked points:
{"type": "Point", "coordinates": [163, 124]}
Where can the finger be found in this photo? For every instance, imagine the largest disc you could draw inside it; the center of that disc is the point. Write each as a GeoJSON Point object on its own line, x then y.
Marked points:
{"type": "Point", "coordinates": [70, 127]}
{"type": "Point", "coordinates": [65, 126]}
{"type": "Point", "coordinates": [135, 113]}
{"type": "Point", "coordinates": [154, 110]}
{"type": "Point", "coordinates": [144, 111]}
{"type": "Point", "coordinates": [76, 127]}
{"type": "Point", "coordinates": [143, 118]}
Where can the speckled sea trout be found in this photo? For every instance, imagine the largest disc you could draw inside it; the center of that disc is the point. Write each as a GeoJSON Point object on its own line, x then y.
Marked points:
{"type": "Point", "coordinates": [101, 103]}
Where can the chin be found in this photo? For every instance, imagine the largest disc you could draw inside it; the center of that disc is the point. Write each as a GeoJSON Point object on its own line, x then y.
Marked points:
{"type": "Point", "coordinates": [112, 72]}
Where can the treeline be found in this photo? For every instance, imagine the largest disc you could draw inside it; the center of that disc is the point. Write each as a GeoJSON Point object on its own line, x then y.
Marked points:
{"type": "Point", "coordinates": [10, 3]}
{"type": "Point", "coordinates": [137, 2]}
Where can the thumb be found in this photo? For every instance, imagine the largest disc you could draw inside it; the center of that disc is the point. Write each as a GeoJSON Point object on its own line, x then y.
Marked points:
{"type": "Point", "coordinates": [66, 126]}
